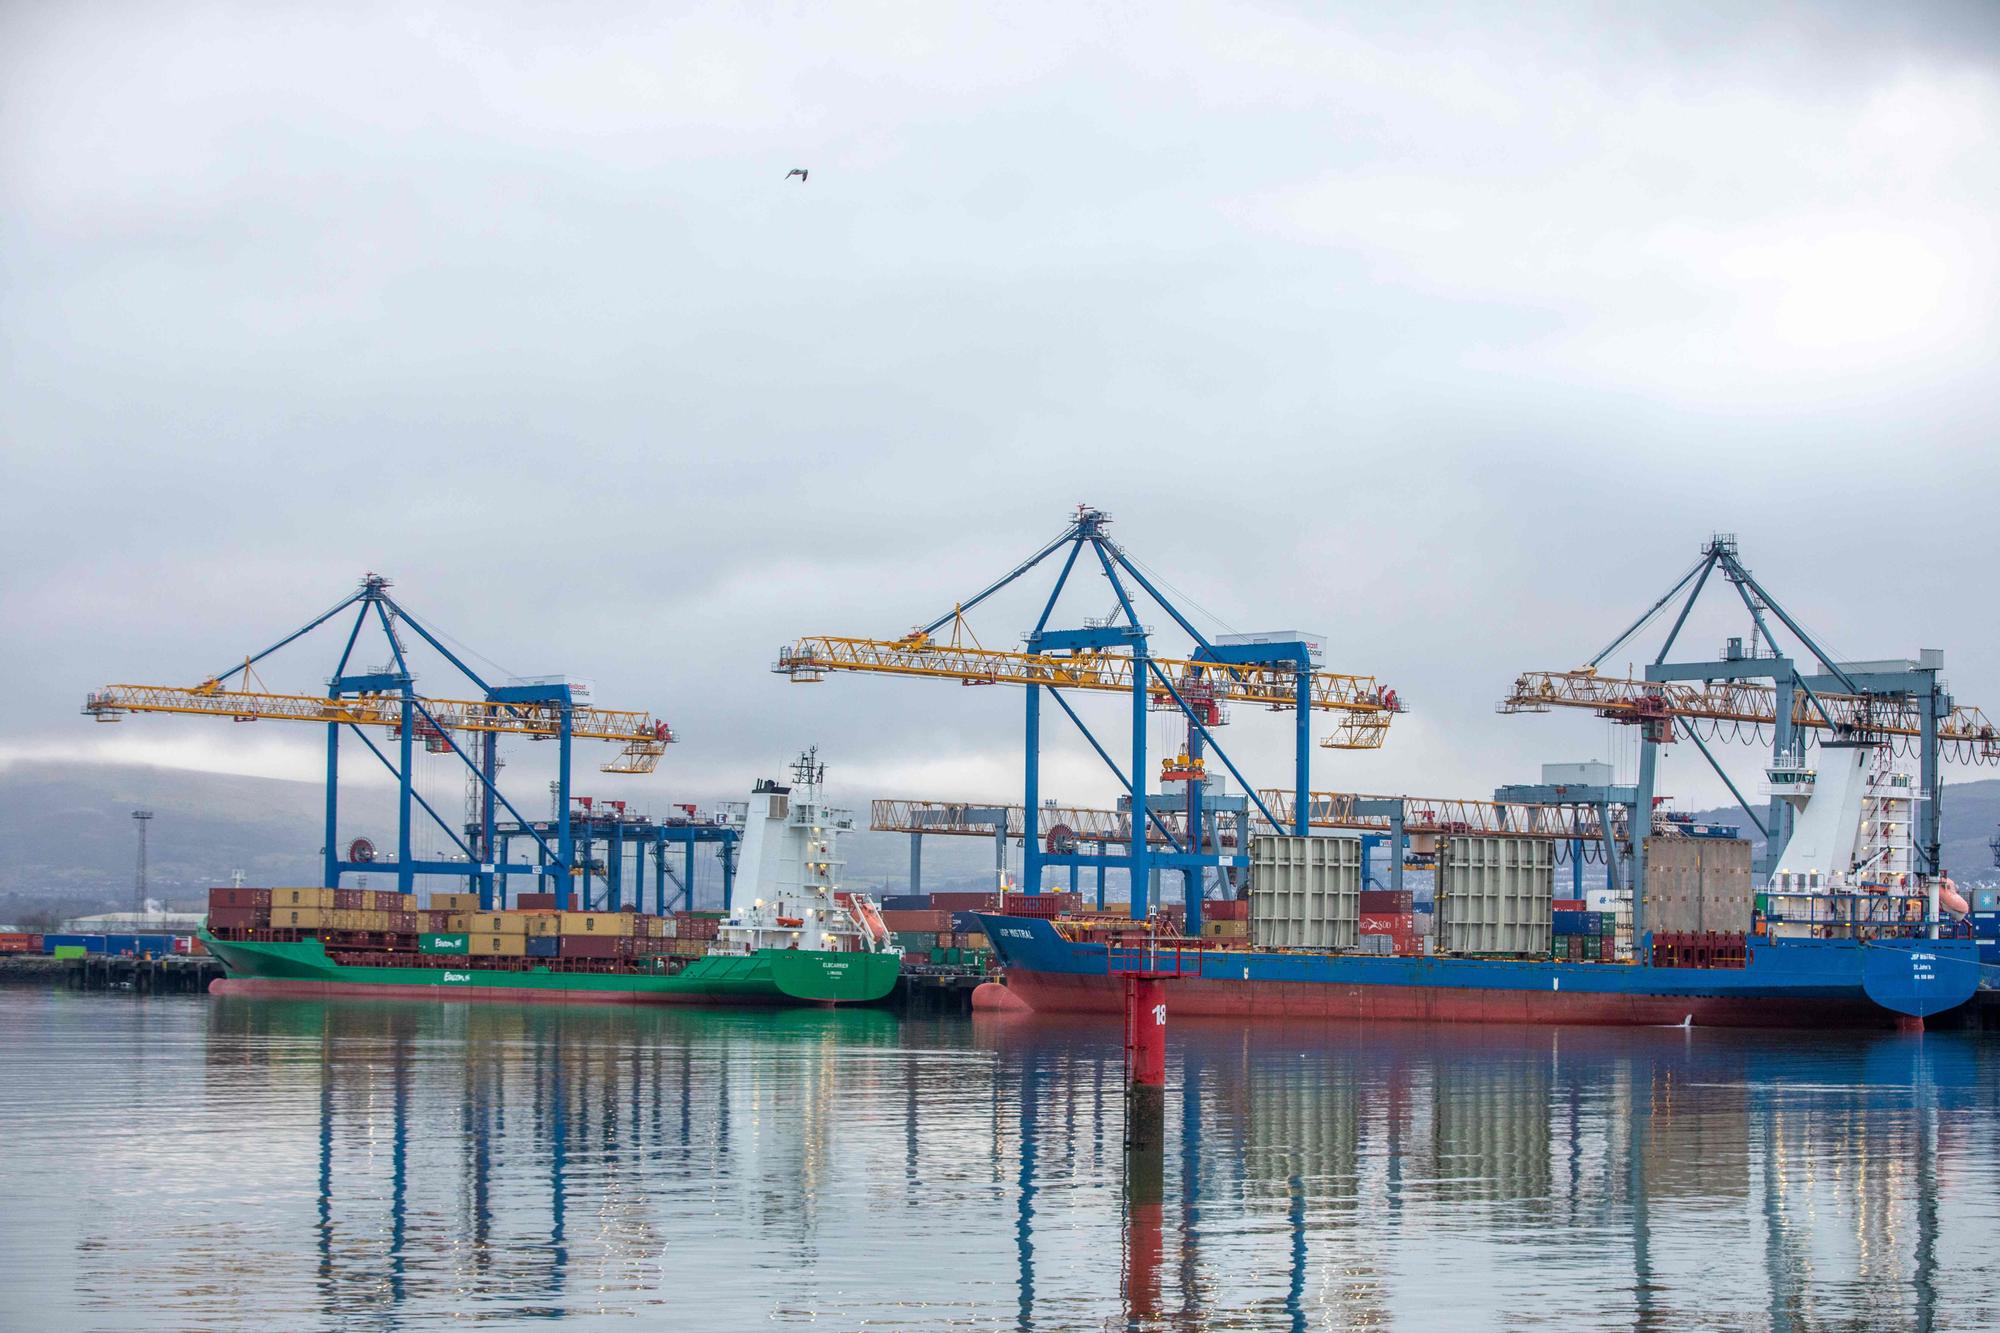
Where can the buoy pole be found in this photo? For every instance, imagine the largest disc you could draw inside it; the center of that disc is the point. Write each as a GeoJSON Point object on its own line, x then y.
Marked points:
{"type": "Point", "coordinates": [1145, 1061]}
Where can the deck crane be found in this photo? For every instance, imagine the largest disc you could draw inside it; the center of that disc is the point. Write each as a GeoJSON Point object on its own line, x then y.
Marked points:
{"type": "Point", "coordinates": [1115, 656]}
{"type": "Point", "coordinates": [385, 697]}
{"type": "Point", "coordinates": [1898, 702]}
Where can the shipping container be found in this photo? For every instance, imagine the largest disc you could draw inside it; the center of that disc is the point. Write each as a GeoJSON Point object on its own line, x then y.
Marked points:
{"type": "Point", "coordinates": [238, 897]}
{"type": "Point", "coordinates": [1226, 909]}
{"type": "Point", "coordinates": [454, 902]}
{"type": "Point", "coordinates": [498, 923]}
{"type": "Point", "coordinates": [927, 920]}
{"type": "Point", "coordinates": [298, 918]}
{"type": "Point", "coordinates": [1698, 884]}
{"type": "Point", "coordinates": [592, 946]}
{"type": "Point", "coordinates": [20, 942]}
{"type": "Point", "coordinates": [1306, 891]}
{"type": "Point", "coordinates": [238, 918]}
{"type": "Point", "coordinates": [1387, 900]}
{"type": "Point", "coordinates": [320, 898]}
{"type": "Point", "coordinates": [537, 902]}
{"type": "Point", "coordinates": [497, 946]}
{"type": "Point", "coordinates": [597, 923]}
{"type": "Point", "coordinates": [544, 946]}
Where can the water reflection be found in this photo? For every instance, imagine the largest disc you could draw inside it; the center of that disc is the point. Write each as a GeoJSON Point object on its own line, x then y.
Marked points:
{"type": "Point", "coordinates": [401, 1165]}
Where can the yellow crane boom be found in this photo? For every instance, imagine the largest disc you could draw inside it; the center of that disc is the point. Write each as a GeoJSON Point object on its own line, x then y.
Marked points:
{"type": "Point", "coordinates": [1746, 702]}
{"type": "Point", "coordinates": [645, 739]}
{"type": "Point", "coordinates": [1369, 707]}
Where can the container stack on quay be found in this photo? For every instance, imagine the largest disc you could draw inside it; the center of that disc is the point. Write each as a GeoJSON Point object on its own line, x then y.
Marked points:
{"type": "Point", "coordinates": [372, 927]}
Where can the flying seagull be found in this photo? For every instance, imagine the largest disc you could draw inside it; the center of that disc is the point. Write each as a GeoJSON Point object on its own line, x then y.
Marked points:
{"type": "Point", "coordinates": [800, 172]}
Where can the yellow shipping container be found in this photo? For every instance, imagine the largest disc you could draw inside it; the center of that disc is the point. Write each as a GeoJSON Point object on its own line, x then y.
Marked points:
{"type": "Point", "coordinates": [459, 922]}
{"type": "Point", "coordinates": [298, 918]}
{"type": "Point", "coordinates": [974, 940]}
{"type": "Point", "coordinates": [454, 902]}
{"type": "Point", "coordinates": [598, 923]}
{"type": "Point", "coordinates": [498, 923]}
{"type": "Point", "coordinates": [498, 946]}
{"type": "Point", "coordinates": [302, 897]}
{"type": "Point", "coordinates": [543, 923]}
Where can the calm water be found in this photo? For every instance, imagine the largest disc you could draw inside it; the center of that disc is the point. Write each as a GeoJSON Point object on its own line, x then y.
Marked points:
{"type": "Point", "coordinates": [234, 1164]}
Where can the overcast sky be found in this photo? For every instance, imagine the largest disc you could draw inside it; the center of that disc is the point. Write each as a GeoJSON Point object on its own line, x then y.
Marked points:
{"type": "Point", "coordinates": [1450, 332]}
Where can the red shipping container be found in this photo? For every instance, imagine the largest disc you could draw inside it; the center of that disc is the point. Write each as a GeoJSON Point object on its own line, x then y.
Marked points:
{"type": "Point", "coordinates": [234, 897]}
{"type": "Point", "coordinates": [20, 943]}
{"type": "Point", "coordinates": [403, 923]}
{"type": "Point", "coordinates": [595, 946]}
{"type": "Point", "coordinates": [1377, 901]}
{"type": "Point", "coordinates": [352, 900]}
{"type": "Point", "coordinates": [1226, 909]}
{"type": "Point", "coordinates": [1388, 923]}
{"type": "Point", "coordinates": [965, 902]}
{"type": "Point", "coordinates": [1568, 905]}
{"type": "Point", "coordinates": [926, 922]}
{"type": "Point", "coordinates": [239, 918]}
{"type": "Point", "coordinates": [535, 902]}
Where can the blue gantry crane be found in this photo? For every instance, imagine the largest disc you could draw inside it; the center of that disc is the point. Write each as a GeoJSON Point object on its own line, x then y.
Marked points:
{"type": "Point", "coordinates": [384, 697]}
{"type": "Point", "coordinates": [1117, 655]}
{"type": "Point", "coordinates": [1759, 686]}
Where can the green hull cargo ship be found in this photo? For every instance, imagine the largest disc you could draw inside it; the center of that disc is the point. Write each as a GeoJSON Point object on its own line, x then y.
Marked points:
{"type": "Point", "coordinates": [800, 939]}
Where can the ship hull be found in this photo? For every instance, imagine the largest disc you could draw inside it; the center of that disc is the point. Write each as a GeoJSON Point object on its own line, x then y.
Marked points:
{"type": "Point", "coordinates": [768, 977]}
{"type": "Point", "coordinates": [1817, 984]}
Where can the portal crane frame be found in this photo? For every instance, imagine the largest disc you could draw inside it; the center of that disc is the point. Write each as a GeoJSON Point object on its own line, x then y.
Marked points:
{"type": "Point", "coordinates": [1116, 656]}
{"type": "Point", "coordinates": [386, 697]}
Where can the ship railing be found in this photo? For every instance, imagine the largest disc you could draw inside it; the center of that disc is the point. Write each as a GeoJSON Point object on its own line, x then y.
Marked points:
{"type": "Point", "coordinates": [1167, 958]}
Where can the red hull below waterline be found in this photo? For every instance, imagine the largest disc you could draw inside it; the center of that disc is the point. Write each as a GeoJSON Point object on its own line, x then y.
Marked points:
{"type": "Point", "coordinates": [1051, 992]}
{"type": "Point", "coordinates": [270, 987]}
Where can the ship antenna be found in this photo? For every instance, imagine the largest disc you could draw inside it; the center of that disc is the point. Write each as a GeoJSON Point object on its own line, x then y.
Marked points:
{"type": "Point", "coordinates": [808, 770]}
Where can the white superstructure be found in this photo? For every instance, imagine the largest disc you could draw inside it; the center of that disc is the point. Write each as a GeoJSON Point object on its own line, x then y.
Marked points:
{"type": "Point", "coordinates": [1849, 863]}
{"type": "Point", "coordinates": [788, 893]}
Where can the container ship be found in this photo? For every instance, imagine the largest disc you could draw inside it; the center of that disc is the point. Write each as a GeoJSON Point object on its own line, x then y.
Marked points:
{"type": "Point", "coordinates": [799, 940]}
{"type": "Point", "coordinates": [1832, 939]}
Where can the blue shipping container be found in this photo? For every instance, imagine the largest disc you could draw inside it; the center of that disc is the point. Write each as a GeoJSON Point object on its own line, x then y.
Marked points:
{"type": "Point", "coordinates": [89, 943]}
{"type": "Point", "coordinates": [1573, 923]}
{"type": "Point", "coordinates": [544, 946]}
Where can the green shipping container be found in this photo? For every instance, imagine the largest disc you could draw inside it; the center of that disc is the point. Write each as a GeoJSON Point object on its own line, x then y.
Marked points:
{"type": "Point", "coordinates": [70, 951]}
{"type": "Point", "coordinates": [937, 957]}
{"type": "Point", "coordinates": [441, 943]}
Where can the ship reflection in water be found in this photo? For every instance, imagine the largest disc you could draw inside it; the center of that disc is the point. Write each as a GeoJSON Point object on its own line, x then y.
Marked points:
{"type": "Point", "coordinates": [294, 1164]}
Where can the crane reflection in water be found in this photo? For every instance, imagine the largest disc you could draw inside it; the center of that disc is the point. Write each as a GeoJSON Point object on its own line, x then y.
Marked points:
{"type": "Point", "coordinates": [743, 1168]}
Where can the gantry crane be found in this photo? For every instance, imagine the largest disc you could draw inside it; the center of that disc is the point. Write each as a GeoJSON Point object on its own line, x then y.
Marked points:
{"type": "Point", "coordinates": [385, 697]}
{"type": "Point", "coordinates": [1901, 701]}
{"type": "Point", "coordinates": [1116, 656]}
